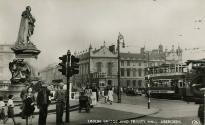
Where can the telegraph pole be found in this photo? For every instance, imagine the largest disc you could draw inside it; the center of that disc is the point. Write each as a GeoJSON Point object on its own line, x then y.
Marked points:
{"type": "Point", "coordinates": [68, 67]}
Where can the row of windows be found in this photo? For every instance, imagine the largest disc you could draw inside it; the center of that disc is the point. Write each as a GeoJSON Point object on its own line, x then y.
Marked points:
{"type": "Point", "coordinates": [1, 70]}
{"type": "Point", "coordinates": [133, 63]}
{"type": "Point", "coordinates": [1, 58]}
{"type": "Point", "coordinates": [99, 66]}
{"type": "Point", "coordinates": [139, 63]}
{"type": "Point", "coordinates": [128, 72]}
{"type": "Point", "coordinates": [134, 83]}
{"type": "Point", "coordinates": [83, 68]}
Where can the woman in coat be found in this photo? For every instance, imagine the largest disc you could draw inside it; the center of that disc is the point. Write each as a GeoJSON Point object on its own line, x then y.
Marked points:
{"type": "Point", "coordinates": [110, 95]}
{"type": "Point", "coordinates": [29, 105]}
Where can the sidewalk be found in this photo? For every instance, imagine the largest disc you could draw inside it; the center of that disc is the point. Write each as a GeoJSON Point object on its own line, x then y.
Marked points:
{"type": "Point", "coordinates": [52, 107]}
{"type": "Point", "coordinates": [101, 113]}
{"type": "Point", "coordinates": [98, 114]}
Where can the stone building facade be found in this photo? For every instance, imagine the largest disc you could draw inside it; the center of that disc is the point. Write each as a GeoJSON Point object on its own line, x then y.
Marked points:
{"type": "Point", "coordinates": [51, 73]}
{"type": "Point", "coordinates": [132, 70]}
{"type": "Point", "coordinates": [100, 66]}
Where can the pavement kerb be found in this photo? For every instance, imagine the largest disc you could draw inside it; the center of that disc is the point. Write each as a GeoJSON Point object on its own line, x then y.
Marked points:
{"type": "Point", "coordinates": [117, 106]}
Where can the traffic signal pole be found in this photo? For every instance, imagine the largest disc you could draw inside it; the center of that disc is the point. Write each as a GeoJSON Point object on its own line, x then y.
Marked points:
{"type": "Point", "coordinates": [68, 88]}
{"type": "Point", "coordinates": [68, 67]}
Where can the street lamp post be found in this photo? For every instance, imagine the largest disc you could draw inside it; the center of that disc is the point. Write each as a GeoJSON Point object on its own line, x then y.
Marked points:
{"type": "Point", "coordinates": [120, 37]}
{"type": "Point", "coordinates": [148, 86]}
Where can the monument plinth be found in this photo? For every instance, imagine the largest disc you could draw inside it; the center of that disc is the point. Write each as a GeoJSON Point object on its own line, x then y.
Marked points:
{"type": "Point", "coordinates": [24, 68]}
{"type": "Point", "coordinates": [25, 51]}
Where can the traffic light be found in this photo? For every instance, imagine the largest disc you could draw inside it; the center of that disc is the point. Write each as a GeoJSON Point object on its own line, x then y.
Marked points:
{"type": "Point", "coordinates": [62, 65]}
{"type": "Point", "coordinates": [74, 65]}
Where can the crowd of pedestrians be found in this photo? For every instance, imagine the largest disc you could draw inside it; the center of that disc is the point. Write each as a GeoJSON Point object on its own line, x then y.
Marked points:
{"type": "Point", "coordinates": [32, 100]}
{"type": "Point", "coordinates": [42, 99]}
{"type": "Point", "coordinates": [10, 110]}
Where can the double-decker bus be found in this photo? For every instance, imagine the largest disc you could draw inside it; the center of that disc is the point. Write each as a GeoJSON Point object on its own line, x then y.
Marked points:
{"type": "Point", "coordinates": [167, 81]}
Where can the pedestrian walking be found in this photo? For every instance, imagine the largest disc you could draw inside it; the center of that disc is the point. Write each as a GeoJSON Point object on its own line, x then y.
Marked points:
{"type": "Point", "coordinates": [106, 94]}
{"type": "Point", "coordinates": [88, 93]}
{"type": "Point", "coordinates": [2, 110]}
{"type": "Point", "coordinates": [29, 106]}
{"type": "Point", "coordinates": [95, 93]}
{"type": "Point", "coordinates": [60, 97]}
{"type": "Point", "coordinates": [43, 103]}
{"type": "Point", "coordinates": [110, 95]}
{"type": "Point", "coordinates": [23, 97]}
{"type": "Point", "coordinates": [10, 111]}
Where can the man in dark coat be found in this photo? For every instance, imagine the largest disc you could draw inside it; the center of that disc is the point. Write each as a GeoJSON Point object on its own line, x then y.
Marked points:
{"type": "Point", "coordinates": [42, 103]}
{"type": "Point", "coordinates": [23, 97]}
{"type": "Point", "coordinates": [60, 97]}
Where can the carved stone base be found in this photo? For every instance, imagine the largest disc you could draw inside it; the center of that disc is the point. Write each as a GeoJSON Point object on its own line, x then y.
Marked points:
{"type": "Point", "coordinates": [14, 90]}
{"type": "Point", "coordinates": [33, 64]}
{"type": "Point", "coordinates": [29, 53]}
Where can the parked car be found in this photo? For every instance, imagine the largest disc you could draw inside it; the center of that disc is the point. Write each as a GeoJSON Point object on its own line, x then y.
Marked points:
{"type": "Point", "coordinates": [137, 92]}
{"type": "Point", "coordinates": [133, 92]}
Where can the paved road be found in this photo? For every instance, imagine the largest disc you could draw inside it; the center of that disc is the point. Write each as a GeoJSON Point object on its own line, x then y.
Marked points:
{"type": "Point", "coordinates": [175, 111]}
{"type": "Point", "coordinates": [169, 121]}
{"type": "Point", "coordinates": [178, 110]}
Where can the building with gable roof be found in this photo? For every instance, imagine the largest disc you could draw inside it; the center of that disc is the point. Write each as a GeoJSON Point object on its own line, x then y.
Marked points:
{"type": "Point", "coordinates": [97, 66]}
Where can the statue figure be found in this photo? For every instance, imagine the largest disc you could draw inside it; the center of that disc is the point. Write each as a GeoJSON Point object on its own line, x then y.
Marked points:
{"type": "Point", "coordinates": [26, 27]}
{"type": "Point", "coordinates": [20, 71]}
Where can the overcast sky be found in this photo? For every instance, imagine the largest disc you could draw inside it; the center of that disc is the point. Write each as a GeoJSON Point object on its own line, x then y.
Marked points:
{"type": "Point", "coordinates": [74, 24]}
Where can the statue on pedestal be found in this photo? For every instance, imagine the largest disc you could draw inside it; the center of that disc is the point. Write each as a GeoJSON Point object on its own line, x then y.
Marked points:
{"type": "Point", "coordinates": [25, 50]}
{"type": "Point", "coordinates": [26, 27]}
{"type": "Point", "coordinates": [26, 30]}
{"type": "Point", "coordinates": [24, 68]}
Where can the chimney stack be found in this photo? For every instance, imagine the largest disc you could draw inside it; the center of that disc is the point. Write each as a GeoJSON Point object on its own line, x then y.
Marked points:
{"type": "Point", "coordinates": [112, 48]}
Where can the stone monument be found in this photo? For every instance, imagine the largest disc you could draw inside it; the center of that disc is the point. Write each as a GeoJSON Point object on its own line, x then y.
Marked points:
{"type": "Point", "coordinates": [24, 67]}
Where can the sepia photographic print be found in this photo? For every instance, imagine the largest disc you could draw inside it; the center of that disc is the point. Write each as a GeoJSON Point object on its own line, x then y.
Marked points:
{"type": "Point", "coordinates": [102, 62]}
